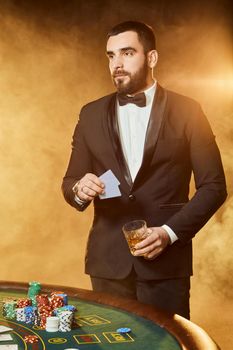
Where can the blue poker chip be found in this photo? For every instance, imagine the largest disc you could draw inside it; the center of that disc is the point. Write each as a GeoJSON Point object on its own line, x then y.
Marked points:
{"type": "Point", "coordinates": [123, 330]}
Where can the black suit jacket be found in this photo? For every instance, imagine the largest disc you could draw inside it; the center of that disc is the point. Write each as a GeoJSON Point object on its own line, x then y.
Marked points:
{"type": "Point", "coordinates": [179, 140]}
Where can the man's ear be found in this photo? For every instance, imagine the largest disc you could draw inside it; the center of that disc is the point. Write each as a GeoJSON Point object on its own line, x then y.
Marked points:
{"type": "Point", "coordinates": [152, 58]}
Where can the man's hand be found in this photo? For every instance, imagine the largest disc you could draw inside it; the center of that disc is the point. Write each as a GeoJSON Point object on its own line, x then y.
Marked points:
{"type": "Point", "coordinates": [154, 244]}
{"type": "Point", "coordinates": [89, 187]}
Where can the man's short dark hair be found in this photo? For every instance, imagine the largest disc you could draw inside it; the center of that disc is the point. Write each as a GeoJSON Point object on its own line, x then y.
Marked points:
{"type": "Point", "coordinates": [145, 33]}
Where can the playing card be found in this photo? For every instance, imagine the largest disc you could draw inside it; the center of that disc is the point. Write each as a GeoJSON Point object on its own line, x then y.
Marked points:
{"type": "Point", "coordinates": [5, 337]}
{"type": "Point", "coordinates": [4, 329]}
{"type": "Point", "coordinates": [111, 185]}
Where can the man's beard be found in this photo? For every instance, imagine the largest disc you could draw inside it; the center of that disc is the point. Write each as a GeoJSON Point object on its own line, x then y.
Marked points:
{"type": "Point", "coordinates": [137, 81]}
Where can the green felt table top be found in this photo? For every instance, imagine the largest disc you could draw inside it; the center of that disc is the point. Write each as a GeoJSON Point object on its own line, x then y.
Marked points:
{"type": "Point", "coordinates": [97, 329]}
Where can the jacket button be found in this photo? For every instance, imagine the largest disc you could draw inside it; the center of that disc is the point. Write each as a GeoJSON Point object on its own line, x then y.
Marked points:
{"type": "Point", "coordinates": [131, 197]}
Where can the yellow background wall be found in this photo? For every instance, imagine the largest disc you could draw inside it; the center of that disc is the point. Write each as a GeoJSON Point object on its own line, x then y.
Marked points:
{"type": "Point", "coordinates": [50, 65]}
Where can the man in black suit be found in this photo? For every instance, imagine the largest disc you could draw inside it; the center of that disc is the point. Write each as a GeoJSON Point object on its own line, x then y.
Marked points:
{"type": "Point", "coordinates": [152, 140]}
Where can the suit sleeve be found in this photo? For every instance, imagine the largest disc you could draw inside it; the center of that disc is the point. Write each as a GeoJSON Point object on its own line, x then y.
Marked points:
{"type": "Point", "coordinates": [79, 164]}
{"type": "Point", "coordinates": [209, 180]}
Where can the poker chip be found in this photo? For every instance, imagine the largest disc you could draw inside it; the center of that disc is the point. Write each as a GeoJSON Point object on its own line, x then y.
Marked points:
{"type": "Point", "coordinates": [123, 330]}
{"type": "Point", "coordinates": [31, 339]}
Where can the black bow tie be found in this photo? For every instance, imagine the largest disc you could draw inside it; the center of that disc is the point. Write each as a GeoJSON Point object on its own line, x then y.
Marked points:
{"type": "Point", "coordinates": [138, 99]}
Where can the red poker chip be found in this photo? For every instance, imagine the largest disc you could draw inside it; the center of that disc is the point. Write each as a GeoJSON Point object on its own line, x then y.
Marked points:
{"type": "Point", "coordinates": [31, 339]}
{"type": "Point", "coordinates": [23, 302]}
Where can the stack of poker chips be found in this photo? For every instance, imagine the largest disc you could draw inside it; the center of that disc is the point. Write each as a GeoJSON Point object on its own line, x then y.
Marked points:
{"type": "Point", "coordinates": [66, 320]}
{"type": "Point", "coordinates": [44, 312]}
{"type": "Point", "coordinates": [31, 339]}
{"type": "Point", "coordinates": [8, 310]}
{"type": "Point", "coordinates": [42, 300]}
{"type": "Point", "coordinates": [29, 312]}
{"type": "Point", "coordinates": [33, 290]}
{"type": "Point", "coordinates": [70, 308]}
{"type": "Point", "coordinates": [21, 305]}
{"type": "Point", "coordinates": [37, 318]}
{"type": "Point", "coordinates": [61, 295]}
{"type": "Point", "coordinates": [52, 324]}
{"type": "Point", "coordinates": [44, 309]}
{"type": "Point", "coordinates": [40, 309]}
{"type": "Point", "coordinates": [20, 315]}
{"type": "Point", "coordinates": [57, 301]}
{"type": "Point", "coordinates": [24, 302]}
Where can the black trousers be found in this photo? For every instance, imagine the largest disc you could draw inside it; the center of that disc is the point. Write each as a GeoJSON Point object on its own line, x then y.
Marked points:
{"type": "Point", "coordinates": [171, 295]}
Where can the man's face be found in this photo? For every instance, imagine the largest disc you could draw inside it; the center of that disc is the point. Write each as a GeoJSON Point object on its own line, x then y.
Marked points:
{"type": "Point", "coordinates": [127, 63]}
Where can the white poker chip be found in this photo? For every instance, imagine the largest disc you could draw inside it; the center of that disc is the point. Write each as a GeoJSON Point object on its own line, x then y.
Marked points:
{"type": "Point", "coordinates": [52, 321]}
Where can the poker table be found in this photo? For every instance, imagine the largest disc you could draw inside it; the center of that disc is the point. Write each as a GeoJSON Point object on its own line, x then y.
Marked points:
{"type": "Point", "coordinates": [98, 317]}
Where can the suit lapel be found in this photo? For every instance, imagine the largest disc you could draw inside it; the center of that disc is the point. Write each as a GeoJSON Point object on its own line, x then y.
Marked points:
{"type": "Point", "coordinates": [152, 134]}
{"type": "Point", "coordinates": [114, 133]}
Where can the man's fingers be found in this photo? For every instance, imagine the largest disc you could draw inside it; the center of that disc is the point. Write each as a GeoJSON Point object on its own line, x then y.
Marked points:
{"type": "Point", "coordinates": [89, 192]}
{"type": "Point", "coordinates": [93, 179]}
{"type": "Point", "coordinates": [153, 245]}
{"type": "Point", "coordinates": [89, 187]}
{"type": "Point", "coordinates": [152, 255]}
{"type": "Point", "coordinates": [148, 240]}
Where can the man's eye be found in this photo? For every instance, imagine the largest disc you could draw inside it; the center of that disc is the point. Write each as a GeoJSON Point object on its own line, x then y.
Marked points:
{"type": "Point", "coordinates": [129, 53]}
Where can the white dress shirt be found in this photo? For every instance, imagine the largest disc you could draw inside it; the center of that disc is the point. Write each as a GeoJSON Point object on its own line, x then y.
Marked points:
{"type": "Point", "coordinates": [133, 121]}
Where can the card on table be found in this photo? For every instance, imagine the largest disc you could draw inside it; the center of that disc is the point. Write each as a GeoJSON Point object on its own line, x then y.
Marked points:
{"type": "Point", "coordinates": [111, 185]}
{"type": "Point", "coordinates": [4, 329]}
{"type": "Point", "coordinates": [5, 337]}
{"type": "Point", "coordinates": [9, 347]}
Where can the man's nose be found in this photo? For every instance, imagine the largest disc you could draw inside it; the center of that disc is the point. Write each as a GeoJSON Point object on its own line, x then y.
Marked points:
{"type": "Point", "coordinates": [117, 62]}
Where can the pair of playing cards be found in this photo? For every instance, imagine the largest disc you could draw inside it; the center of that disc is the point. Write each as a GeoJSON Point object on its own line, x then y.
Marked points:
{"type": "Point", "coordinates": [111, 185]}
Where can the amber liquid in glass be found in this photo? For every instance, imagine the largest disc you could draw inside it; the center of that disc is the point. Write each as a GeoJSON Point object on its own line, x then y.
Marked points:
{"type": "Point", "coordinates": [133, 238]}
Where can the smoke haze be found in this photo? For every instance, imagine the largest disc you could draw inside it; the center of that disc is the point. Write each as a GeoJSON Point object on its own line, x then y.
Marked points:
{"type": "Point", "coordinates": [52, 61]}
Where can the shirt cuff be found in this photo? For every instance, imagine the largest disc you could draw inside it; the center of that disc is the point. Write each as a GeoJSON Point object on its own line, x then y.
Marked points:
{"type": "Point", "coordinates": [171, 233]}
